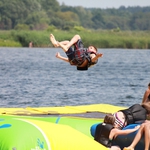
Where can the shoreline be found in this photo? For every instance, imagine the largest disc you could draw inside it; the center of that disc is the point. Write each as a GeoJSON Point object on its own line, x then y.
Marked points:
{"type": "Point", "coordinates": [100, 39]}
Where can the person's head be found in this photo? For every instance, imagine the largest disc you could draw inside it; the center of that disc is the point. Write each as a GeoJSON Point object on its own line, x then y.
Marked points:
{"type": "Point", "coordinates": [92, 49]}
{"type": "Point", "coordinates": [109, 119]}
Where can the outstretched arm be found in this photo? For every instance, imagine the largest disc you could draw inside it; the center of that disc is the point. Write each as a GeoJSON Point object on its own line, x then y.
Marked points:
{"type": "Point", "coordinates": [115, 132]}
{"type": "Point", "coordinates": [61, 57]}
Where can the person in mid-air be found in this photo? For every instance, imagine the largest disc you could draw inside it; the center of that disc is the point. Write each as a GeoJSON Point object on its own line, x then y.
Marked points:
{"type": "Point", "coordinates": [77, 55]}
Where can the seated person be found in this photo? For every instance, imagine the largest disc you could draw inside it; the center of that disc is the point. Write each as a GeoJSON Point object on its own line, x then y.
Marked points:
{"type": "Point", "coordinates": [135, 114]}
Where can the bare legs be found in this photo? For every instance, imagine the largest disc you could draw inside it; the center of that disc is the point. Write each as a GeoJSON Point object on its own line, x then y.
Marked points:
{"type": "Point", "coordinates": [147, 137]}
{"type": "Point", "coordinates": [73, 40]}
{"type": "Point", "coordinates": [53, 40]}
{"type": "Point", "coordinates": [65, 45]}
{"type": "Point", "coordinates": [143, 129]}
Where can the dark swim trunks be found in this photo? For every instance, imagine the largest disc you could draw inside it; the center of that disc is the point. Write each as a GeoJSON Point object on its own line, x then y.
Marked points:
{"type": "Point", "coordinates": [76, 54]}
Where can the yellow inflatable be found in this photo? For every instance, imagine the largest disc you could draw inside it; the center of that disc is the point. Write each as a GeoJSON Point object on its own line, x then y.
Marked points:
{"type": "Point", "coordinates": [50, 133]}
{"type": "Point", "coordinates": [28, 133]}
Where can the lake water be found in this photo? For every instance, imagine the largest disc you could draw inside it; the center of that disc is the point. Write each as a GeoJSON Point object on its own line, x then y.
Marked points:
{"type": "Point", "coordinates": [35, 77]}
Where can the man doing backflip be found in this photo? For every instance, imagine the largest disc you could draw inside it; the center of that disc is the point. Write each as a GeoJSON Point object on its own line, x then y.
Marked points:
{"type": "Point", "coordinates": [77, 55]}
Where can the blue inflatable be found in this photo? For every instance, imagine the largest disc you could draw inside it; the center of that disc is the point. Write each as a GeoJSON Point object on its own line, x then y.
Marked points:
{"type": "Point", "coordinates": [124, 140]}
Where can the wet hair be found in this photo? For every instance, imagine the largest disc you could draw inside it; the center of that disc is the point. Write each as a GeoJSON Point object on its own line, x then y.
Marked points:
{"type": "Point", "coordinates": [109, 119]}
{"type": "Point", "coordinates": [146, 105]}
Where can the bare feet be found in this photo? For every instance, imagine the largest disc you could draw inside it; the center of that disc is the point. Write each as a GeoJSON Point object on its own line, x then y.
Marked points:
{"type": "Point", "coordinates": [53, 40]}
{"type": "Point", "coordinates": [128, 148]}
{"type": "Point", "coordinates": [64, 47]}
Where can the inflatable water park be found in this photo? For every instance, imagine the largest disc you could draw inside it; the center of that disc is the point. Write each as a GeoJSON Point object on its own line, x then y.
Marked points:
{"type": "Point", "coordinates": [56, 128]}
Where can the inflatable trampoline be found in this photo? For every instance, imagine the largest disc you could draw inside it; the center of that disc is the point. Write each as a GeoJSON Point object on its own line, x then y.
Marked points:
{"type": "Point", "coordinates": [56, 128]}
{"type": "Point", "coordinates": [21, 133]}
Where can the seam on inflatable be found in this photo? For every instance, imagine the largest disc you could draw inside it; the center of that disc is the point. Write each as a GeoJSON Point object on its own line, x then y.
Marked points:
{"type": "Point", "coordinates": [57, 120]}
{"type": "Point", "coordinates": [48, 143]}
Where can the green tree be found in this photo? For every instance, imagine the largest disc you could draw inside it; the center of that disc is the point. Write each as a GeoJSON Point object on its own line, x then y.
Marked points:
{"type": "Point", "coordinates": [139, 21]}
{"type": "Point", "coordinates": [83, 14]}
{"type": "Point", "coordinates": [98, 19]}
{"type": "Point", "coordinates": [50, 5]}
{"type": "Point", "coordinates": [38, 20]}
{"type": "Point", "coordinates": [16, 11]}
{"type": "Point", "coordinates": [40, 14]}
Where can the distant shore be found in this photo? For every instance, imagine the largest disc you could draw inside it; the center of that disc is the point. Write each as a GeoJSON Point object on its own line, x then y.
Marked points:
{"type": "Point", "coordinates": [100, 39]}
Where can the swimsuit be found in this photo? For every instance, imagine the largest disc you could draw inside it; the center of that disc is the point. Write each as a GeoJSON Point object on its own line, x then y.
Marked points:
{"type": "Point", "coordinates": [118, 121]}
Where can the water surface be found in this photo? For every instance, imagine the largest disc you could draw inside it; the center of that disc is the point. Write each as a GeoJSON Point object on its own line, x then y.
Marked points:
{"type": "Point", "coordinates": [35, 77]}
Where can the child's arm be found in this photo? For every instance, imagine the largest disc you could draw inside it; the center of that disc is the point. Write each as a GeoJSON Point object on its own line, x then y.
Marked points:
{"type": "Point", "coordinates": [61, 57]}
{"type": "Point", "coordinates": [94, 58]}
{"type": "Point", "coordinates": [115, 132]}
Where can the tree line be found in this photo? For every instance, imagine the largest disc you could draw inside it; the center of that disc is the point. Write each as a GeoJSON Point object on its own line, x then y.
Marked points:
{"type": "Point", "coordinates": [50, 15]}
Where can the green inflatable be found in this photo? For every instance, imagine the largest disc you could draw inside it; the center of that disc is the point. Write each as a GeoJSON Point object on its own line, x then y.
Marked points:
{"type": "Point", "coordinates": [51, 133]}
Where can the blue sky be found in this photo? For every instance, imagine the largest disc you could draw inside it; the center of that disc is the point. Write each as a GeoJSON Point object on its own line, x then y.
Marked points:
{"type": "Point", "coordinates": [105, 3]}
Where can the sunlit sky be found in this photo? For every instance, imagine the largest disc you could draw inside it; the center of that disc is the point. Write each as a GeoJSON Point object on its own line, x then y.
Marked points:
{"type": "Point", "coordinates": [105, 3]}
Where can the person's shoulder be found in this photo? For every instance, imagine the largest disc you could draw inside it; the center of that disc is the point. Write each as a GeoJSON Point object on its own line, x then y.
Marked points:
{"type": "Point", "coordinates": [114, 132]}
{"type": "Point", "coordinates": [118, 113]}
{"type": "Point", "coordinates": [147, 91]}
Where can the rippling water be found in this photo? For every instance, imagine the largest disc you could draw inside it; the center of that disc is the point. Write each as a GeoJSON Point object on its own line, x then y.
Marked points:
{"type": "Point", "coordinates": [34, 77]}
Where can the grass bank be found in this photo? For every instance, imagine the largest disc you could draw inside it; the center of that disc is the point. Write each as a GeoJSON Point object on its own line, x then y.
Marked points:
{"type": "Point", "coordinates": [101, 39]}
